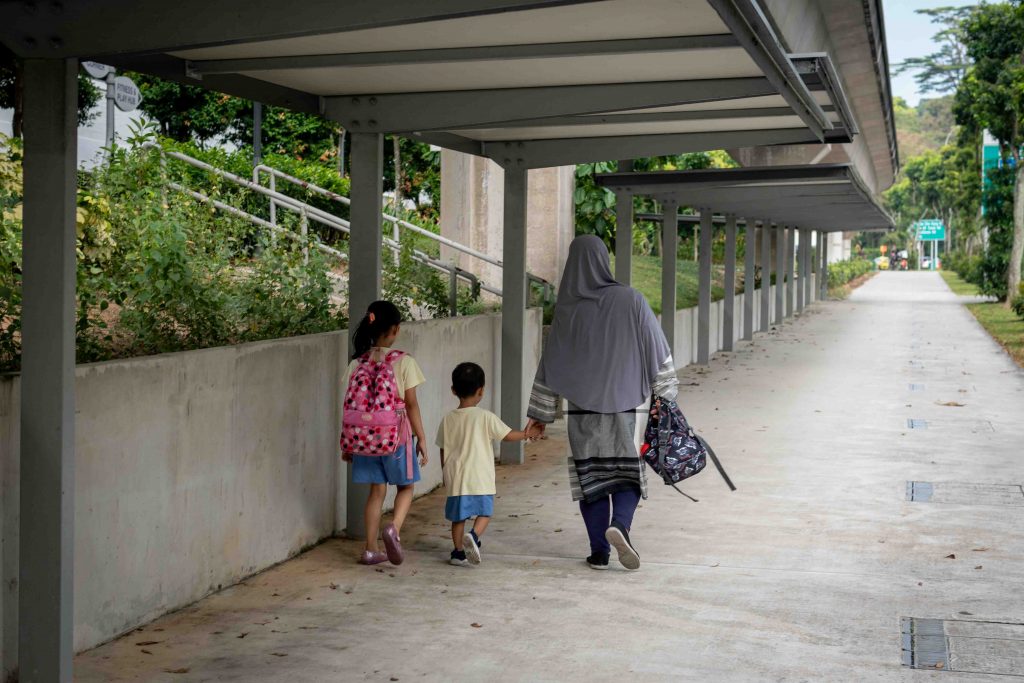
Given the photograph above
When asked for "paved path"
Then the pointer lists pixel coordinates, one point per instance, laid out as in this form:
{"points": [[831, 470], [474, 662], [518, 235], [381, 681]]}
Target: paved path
{"points": [[803, 574]]}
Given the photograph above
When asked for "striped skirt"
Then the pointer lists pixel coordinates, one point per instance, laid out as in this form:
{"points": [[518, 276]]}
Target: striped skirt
{"points": [[604, 457]]}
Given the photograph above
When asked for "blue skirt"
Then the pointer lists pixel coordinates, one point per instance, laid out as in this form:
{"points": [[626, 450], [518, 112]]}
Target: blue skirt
{"points": [[384, 469], [461, 508]]}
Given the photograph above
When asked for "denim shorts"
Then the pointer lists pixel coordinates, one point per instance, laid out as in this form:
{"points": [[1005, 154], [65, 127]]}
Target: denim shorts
{"points": [[384, 469]]}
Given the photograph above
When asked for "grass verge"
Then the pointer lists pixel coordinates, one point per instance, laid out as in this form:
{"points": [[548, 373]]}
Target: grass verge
{"points": [[959, 286], [843, 291], [647, 279], [1004, 325]]}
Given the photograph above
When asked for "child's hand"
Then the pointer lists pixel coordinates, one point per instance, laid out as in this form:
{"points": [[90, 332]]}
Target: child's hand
{"points": [[346, 457], [422, 451]]}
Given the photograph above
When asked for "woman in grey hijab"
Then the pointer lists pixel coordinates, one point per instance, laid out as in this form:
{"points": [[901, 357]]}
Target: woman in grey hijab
{"points": [[605, 354]]}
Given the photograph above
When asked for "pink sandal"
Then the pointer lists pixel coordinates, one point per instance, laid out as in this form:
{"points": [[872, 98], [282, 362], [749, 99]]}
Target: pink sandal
{"points": [[392, 544], [372, 557]]}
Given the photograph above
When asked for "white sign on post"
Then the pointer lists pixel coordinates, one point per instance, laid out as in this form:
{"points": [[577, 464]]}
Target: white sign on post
{"points": [[126, 94], [97, 70]]}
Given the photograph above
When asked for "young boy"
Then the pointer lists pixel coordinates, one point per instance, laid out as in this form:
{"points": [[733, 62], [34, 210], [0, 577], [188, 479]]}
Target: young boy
{"points": [[467, 459]]}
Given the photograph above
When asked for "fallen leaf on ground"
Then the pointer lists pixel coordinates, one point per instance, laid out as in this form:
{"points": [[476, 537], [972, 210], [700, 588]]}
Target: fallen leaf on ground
{"points": [[558, 531], [476, 625], [145, 651], [279, 654], [243, 635], [978, 550], [951, 556], [275, 595], [939, 665], [978, 567], [951, 404], [334, 586], [182, 670], [148, 642]]}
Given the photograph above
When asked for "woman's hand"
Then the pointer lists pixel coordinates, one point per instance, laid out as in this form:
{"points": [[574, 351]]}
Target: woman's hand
{"points": [[421, 450], [532, 425], [346, 457]]}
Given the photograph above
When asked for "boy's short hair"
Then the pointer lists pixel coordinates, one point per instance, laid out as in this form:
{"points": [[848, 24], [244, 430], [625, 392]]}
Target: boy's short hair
{"points": [[467, 379]]}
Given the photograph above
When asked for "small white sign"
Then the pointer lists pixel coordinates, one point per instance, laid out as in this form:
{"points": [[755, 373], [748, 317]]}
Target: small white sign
{"points": [[97, 70], [126, 94]]}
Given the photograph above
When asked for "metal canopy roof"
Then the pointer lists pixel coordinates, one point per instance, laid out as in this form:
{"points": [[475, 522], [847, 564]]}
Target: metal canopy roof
{"points": [[825, 197], [528, 83]]}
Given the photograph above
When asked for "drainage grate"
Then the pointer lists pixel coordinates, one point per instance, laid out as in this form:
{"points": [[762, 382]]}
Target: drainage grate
{"points": [[915, 423], [916, 387], [919, 491], [979, 647], [962, 493]]}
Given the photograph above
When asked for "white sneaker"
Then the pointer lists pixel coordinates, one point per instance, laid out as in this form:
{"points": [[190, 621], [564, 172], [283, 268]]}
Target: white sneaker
{"points": [[619, 538], [472, 549]]}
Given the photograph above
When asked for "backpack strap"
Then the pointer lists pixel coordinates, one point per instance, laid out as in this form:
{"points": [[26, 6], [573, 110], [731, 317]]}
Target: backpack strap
{"points": [[714, 459]]}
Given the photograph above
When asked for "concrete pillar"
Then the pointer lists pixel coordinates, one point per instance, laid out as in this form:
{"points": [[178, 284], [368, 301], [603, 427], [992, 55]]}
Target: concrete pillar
{"points": [[47, 479], [513, 309], [704, 289], [729, 304], [824, 270], [766, 233], [800, 276], [816, 290], [364, 273], [749, 252], [779, 237], [790, 248], [472, 210], [669, 249]]}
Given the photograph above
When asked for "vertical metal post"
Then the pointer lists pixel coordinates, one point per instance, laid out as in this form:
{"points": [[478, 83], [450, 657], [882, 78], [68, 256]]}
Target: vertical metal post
{"points": [[766, 275], [801, 275], [790, 248], [453, 291], [513, 309], [805, 268], [669, 251], [749, 249], [729, 304], [257, 133], [111, 108], [816, 258], [779, 238], [273, 202], [704, 289], [364, 275], [304, 231], [624, 230], [823, 273], [46, 546]]}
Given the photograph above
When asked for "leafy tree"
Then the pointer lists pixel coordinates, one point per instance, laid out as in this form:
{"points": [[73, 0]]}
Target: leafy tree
{"points": [[991, 96], [12, 89], [942, 70], [188, 113]]}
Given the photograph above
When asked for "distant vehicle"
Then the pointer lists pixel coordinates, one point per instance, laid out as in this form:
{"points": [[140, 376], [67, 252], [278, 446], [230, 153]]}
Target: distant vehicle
{"points": [[882, 263], [926, 264]]}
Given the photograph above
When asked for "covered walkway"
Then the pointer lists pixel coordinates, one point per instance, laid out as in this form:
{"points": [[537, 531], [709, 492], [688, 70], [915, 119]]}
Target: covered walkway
{"points": [[804, 573]]}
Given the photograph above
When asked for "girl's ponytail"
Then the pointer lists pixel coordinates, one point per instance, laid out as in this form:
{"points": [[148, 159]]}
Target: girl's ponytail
{"points": [[380, 317]]}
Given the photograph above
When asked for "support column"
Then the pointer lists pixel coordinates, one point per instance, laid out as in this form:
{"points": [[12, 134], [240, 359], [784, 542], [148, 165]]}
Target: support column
{"points": [[823, 273], [46, 533], [669, 249], [729, 304], [704, 289], [790, 248], [779, 237], [624, 230], [801, 275], [364, 272], [805, 269], [749, 249], [816, 265], [766, 275], [513, 309]]}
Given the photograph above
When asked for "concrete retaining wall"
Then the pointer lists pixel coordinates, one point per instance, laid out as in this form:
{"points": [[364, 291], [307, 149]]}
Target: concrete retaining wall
{"points": [[196, 469]]}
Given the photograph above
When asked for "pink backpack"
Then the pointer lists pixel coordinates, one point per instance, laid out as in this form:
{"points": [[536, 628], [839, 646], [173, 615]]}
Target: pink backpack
{"points": [[374, 420]]}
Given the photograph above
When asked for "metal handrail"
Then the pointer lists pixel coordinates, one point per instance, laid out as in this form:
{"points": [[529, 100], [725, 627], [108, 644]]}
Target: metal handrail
{"points": [[309, 212]]}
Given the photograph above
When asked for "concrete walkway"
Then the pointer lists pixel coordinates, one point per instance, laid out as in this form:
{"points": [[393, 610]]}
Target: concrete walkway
{"points": [[803, 574]]}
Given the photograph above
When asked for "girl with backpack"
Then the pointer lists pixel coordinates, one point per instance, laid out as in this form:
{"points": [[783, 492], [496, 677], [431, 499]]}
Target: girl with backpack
{"points": [[381, 415]]}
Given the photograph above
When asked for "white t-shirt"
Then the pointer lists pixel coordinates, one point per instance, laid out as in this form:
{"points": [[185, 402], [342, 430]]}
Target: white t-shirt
{"points": [[407, 371], [466, 435]]}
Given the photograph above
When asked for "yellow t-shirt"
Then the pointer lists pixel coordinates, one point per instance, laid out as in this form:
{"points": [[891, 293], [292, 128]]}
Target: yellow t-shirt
{"points": [[407, 371], [466, 435]]}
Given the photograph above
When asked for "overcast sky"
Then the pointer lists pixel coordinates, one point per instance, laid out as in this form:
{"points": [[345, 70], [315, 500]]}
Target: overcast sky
{"points": [[910, 35]]}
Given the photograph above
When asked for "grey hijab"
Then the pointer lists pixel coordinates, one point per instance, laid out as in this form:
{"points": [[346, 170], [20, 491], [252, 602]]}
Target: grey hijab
{"points": [[605, 345]]}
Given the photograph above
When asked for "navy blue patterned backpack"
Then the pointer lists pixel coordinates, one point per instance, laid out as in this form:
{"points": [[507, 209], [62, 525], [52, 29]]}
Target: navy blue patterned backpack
{"points": [[672, 449]]}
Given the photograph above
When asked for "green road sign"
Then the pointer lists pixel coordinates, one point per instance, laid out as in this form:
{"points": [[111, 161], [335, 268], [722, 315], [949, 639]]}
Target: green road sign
{"points": [[930, 229]]}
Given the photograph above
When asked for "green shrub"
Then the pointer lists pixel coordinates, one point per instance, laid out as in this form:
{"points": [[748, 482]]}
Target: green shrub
{"points": [[841, 272], [1018, 301]]}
